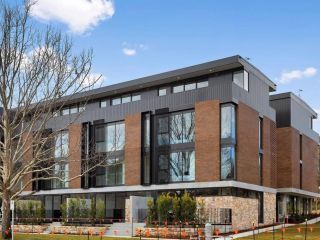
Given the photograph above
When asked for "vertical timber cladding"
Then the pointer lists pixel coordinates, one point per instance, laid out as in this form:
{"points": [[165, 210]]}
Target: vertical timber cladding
{"points": [[309, 164], [247, 145], [288, 158], [207, 141], [75, 137], [27, 139], [132, 151]]}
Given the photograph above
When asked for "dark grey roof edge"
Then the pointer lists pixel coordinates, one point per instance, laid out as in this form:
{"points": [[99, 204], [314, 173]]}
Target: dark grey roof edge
{"points": [[293, 96], [261, 75], [222, 64]]}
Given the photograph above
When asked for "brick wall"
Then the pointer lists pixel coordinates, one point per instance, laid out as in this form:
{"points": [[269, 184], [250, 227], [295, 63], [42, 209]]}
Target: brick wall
{"points": [[207, 141], [75, 136], [26, 158], [132, 153], [273, 157], [310, 164], [288, 158], [266, 141], [247, 145]]}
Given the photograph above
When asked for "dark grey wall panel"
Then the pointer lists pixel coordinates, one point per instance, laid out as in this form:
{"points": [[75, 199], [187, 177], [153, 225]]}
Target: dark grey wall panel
{"points": [[220, 87], [283, 111]]}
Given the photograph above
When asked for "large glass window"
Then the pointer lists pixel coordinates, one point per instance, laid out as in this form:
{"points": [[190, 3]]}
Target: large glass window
{"points": [[241, 78], [112, 174], [182, 166], [175, 129], [110, 137], [228, 141]]}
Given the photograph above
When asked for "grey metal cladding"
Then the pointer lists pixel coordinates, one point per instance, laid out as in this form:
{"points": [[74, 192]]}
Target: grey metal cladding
{"points": [[257, 97], [224, 64], [292, 111], [220, 87]]}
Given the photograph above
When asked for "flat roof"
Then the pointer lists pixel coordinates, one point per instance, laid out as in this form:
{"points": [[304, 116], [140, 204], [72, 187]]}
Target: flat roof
{"points": [[296, 98], [198, 70]]}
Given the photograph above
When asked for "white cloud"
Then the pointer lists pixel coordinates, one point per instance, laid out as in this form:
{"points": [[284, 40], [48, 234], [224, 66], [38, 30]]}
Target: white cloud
{"points": [[287, 77], [129, 51], [132, 49], [79, 15]]}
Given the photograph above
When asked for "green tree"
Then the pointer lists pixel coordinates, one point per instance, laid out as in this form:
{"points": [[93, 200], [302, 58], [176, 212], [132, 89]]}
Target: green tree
{"points": [[188, 207], [100, 209], [164, 205], [152, 211], [176, 202]]}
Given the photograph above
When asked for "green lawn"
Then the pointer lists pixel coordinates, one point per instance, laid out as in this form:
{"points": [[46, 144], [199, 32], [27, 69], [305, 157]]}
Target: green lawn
{"points": [[290, 234], [59, 237]]}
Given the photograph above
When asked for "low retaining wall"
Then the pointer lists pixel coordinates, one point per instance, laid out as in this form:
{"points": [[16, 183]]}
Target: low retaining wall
{"points": [[78, 230]]}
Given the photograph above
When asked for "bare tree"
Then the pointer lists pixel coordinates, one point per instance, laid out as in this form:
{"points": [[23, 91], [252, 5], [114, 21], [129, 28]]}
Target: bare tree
{"points": [[39, 73]]}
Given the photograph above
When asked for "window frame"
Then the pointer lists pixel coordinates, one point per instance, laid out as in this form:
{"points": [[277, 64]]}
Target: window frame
{"points": [[227, 142], [245, 82]]}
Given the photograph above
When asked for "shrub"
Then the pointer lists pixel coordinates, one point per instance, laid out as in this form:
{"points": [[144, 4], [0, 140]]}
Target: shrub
{"points": [[176, 204], [188, 207], [100, 209], [164, 206], [152, 210]]}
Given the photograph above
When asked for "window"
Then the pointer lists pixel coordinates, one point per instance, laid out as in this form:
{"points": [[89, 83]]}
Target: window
{"points": [[110, 137], [112, 174], [260, 133], [126, 98], [65, 111], [175, 148], [261, 168], [177, 89], [136, 97], [61, 144], [162, 92], [115, 101], [228, 141], [182, 166], [146, 151], [175, 129], [228, 126], [103, 103], [311, 123], [73, 109], [203, 84], [227, 162], [61, 152], [241, 78], [190, 86]]}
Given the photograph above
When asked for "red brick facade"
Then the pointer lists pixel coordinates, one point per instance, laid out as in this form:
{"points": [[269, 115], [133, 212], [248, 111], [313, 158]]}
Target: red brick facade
{"points": [[132, 153], [27, 158], [247, 145], [207, 141], [75, 135]]}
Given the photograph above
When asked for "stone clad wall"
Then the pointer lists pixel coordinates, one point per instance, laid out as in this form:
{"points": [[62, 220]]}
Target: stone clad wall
{"points": [[269, 207], [244, 210]]}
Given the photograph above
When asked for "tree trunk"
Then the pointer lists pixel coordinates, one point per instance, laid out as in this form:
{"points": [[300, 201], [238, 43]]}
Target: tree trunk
{"points": [[6, 228]]}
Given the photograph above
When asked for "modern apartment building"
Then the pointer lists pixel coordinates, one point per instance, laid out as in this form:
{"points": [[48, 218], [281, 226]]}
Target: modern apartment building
{"points": [[212, 129]]}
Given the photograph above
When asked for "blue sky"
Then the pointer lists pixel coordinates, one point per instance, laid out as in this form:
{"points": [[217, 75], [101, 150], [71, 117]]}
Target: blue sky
{"points": [[137, 38]]}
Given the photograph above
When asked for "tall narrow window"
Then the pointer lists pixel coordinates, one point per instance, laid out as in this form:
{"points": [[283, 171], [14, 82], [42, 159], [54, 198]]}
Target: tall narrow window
{"points": [[146, 161], [61, 167], [260, 133], [261, 168], [109, 142], [228, 141]]}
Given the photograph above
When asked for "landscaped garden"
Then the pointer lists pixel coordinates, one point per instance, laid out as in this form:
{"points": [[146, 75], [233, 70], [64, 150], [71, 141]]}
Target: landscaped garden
{"points": [[61, 237], [291, 233]]}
